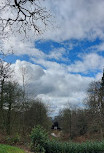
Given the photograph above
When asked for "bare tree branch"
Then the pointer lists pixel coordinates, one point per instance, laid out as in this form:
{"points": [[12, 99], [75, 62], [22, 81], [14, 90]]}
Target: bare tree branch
{"points": [[23, 16]]}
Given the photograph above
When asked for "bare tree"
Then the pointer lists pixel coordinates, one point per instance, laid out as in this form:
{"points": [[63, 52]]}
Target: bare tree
{"points": [[66, 121], [23, 16], [37, 115], [5, 75], [95, 103], [73, 121], [12, 99]]}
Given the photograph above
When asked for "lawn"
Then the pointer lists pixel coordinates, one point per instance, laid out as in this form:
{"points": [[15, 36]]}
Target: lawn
{"points": [[10, 149]]}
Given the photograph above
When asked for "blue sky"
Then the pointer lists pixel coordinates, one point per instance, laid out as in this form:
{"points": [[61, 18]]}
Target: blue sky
{"points": [[71, 54], [61, 62]]}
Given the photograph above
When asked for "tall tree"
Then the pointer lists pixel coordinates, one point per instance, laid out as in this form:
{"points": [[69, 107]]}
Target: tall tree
{"points": [[37, 115], [5, 75], [95, 103], [73, 121], [66, 121], [24, 102], [12, 99]]}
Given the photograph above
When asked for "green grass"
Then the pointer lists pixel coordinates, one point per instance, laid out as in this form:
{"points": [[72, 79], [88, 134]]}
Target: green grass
{"points": [[10, 149]]}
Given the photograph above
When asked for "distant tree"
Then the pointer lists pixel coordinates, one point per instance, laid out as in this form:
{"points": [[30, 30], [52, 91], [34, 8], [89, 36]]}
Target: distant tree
{"points": [[73, 121], [95, 103], [37, 115], [5, 75], [81, 121], [12, 100], [66, 121], [24, 98]]}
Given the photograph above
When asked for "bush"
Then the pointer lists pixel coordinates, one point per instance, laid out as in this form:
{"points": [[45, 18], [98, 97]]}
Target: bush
{"points": [[65, 147], [39, 138], [13, 139], [42, 144]]}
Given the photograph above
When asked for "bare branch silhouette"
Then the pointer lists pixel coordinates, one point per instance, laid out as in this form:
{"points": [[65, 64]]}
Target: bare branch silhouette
{"points": [[23, 16]]}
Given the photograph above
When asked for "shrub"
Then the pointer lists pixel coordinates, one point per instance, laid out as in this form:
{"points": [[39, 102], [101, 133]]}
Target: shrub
{"points": [[42, 144], [39, 139], [65, 147], [13, 139]]}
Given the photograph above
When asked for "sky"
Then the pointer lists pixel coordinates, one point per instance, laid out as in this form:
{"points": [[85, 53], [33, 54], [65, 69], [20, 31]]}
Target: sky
{"points": [[60, 63]]}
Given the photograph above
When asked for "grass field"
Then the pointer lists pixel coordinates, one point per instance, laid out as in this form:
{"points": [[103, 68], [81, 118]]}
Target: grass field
{"points": [[10, 149]]}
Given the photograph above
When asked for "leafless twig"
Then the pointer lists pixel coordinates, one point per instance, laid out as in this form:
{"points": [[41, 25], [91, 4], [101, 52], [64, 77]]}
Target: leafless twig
{"points": [[24, 15]]}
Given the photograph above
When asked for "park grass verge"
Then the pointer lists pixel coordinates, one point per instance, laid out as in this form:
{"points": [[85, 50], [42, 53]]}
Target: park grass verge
{"points": [[10, 149]]}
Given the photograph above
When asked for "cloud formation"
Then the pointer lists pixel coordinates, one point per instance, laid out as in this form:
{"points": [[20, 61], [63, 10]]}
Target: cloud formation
{"points": [[50, 76], [77, 19], [89, 62], [56, 87], [73, 19]]}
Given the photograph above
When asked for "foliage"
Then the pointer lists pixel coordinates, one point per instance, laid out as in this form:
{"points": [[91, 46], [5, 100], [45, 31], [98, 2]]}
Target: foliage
{"points": [[13, 139], [39, 137], [12, 96], [10, 149], [36, 115], [95, 104], [18, 113], [41, 143], [88, 147]]}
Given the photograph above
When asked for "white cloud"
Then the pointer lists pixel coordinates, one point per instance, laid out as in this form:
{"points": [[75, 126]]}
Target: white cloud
{"points": [[89, 62], [77, 19], [98, 48], [55, 87], [18, 47], [98, 76], [30, 71], [101, 47], [57, 54]]}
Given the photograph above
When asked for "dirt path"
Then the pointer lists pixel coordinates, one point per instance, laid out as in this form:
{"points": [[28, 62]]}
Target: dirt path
{"points": [[28, 151]]}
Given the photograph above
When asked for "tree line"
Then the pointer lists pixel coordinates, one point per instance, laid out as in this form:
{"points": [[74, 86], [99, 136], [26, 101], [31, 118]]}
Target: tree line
{"points": [[87, 121], [18, 113]]}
